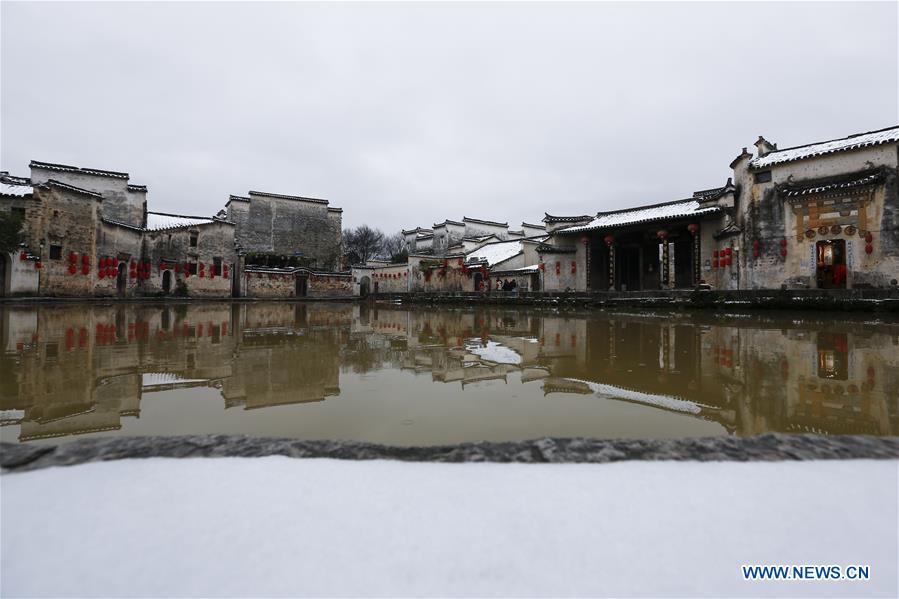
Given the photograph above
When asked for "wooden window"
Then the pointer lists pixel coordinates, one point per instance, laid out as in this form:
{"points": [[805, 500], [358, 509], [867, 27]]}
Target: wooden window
{"points": [[55, 252], [763, 177], [193, 239]]}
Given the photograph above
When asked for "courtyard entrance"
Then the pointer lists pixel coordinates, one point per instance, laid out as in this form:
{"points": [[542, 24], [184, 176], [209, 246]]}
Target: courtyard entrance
{"points": [[831, 264]]}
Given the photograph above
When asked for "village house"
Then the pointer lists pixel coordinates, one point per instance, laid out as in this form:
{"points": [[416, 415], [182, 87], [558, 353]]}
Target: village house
{"points": [[88, 233], [291, 246], [818, 216]]}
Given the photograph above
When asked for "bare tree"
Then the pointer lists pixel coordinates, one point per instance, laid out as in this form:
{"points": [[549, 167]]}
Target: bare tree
{"points": [[362, 243], [394, 247]]}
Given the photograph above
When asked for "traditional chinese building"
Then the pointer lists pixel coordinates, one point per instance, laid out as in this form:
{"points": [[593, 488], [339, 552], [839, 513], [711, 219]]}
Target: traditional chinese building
{"points": [[819, 216], [87, 233]]}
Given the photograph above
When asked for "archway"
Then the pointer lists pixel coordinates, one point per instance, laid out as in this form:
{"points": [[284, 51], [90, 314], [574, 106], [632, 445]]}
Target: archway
{"points": [[364, 286], [167, 282]]}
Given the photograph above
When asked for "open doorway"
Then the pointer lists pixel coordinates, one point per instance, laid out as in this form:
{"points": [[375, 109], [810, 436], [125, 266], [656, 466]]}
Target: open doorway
{"points": [[5, 274], [121, 280], [364, 286], [167, 282], [302, 282], [831, 264]]}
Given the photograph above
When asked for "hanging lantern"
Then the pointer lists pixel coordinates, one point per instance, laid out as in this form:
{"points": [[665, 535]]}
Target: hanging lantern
{"points": [[728, 251], [573, 267], [715, 254], [662, 234], [783, 242], [715, 263], [869, 237], [38, 265], [783, 252], [23, 255], [85, 269], [585, 240], [85, 259], [543, 266], [609, 239], [133, 265], [178, 269], [73, 257], [72, 269], [869, 248], [693, 228]]}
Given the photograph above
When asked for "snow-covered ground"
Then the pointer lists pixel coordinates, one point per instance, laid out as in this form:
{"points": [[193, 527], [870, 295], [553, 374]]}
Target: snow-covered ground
{"points": [[278, 526]]}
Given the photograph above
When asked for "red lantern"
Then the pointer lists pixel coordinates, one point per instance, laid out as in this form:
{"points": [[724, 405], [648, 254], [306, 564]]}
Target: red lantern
{"points": [[783, 252], [73, 257], [133, 265], [38, 265], [72, 269], [585, 240], [543, 266], [728, 251], [132, 274], [715, 263], [693, 228], [728, 261], [609, 239], [869, 248], [783, 242], [869, 237], [662, 234], [101, 273], [23, 255], [85, 269], [85, 259], [177, 269], [755, 243], [715, 254], [755, 252]]}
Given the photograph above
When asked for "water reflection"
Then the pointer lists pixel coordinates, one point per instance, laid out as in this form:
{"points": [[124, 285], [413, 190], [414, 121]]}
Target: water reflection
{"points": [[422, 376]]}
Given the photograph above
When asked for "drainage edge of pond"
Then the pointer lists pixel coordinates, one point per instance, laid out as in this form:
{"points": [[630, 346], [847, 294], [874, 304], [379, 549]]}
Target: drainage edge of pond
{"points": [[15, 457]]}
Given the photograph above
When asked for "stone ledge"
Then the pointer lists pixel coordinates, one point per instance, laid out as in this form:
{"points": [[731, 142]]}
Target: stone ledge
{"points": [[15, 457]]}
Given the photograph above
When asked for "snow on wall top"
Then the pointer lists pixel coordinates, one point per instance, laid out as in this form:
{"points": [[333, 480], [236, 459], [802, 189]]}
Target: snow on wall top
{"points": [[14, 186], [157, 221], [619, 218], [853, 142], [494, 253]]}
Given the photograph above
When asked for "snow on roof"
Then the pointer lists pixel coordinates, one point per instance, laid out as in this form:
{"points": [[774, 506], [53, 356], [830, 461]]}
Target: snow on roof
{"points": [[11, 185], [494, 352], [77, 169], [619, 218], [853, 142], [494, 253], [157, 221]]}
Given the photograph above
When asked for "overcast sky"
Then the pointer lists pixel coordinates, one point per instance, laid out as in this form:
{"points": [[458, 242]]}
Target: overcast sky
{"points": [[407, 114]]}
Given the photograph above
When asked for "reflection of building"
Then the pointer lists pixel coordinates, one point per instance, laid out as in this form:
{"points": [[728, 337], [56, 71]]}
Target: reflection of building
{"points": [[68, 370]]}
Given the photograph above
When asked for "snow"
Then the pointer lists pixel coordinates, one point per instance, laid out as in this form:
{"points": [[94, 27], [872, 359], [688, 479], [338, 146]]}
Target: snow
{"points": [[279, 526], [828, 147], [662, 401], [15, 190], [494, 253], [494, 352], [149, 379], [686, 208], [157, 221]]}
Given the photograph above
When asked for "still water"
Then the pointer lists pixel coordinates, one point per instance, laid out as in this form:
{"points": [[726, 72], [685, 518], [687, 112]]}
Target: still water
{"points": [[405, 376]]}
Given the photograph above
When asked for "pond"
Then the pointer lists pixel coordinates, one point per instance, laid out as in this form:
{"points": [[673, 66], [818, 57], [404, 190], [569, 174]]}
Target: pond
{"points": [[414, 376]]}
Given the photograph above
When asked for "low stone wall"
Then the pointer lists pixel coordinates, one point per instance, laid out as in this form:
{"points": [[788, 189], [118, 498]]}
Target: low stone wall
{"points": [[880, 300], [770, 447], [261, 284]]}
